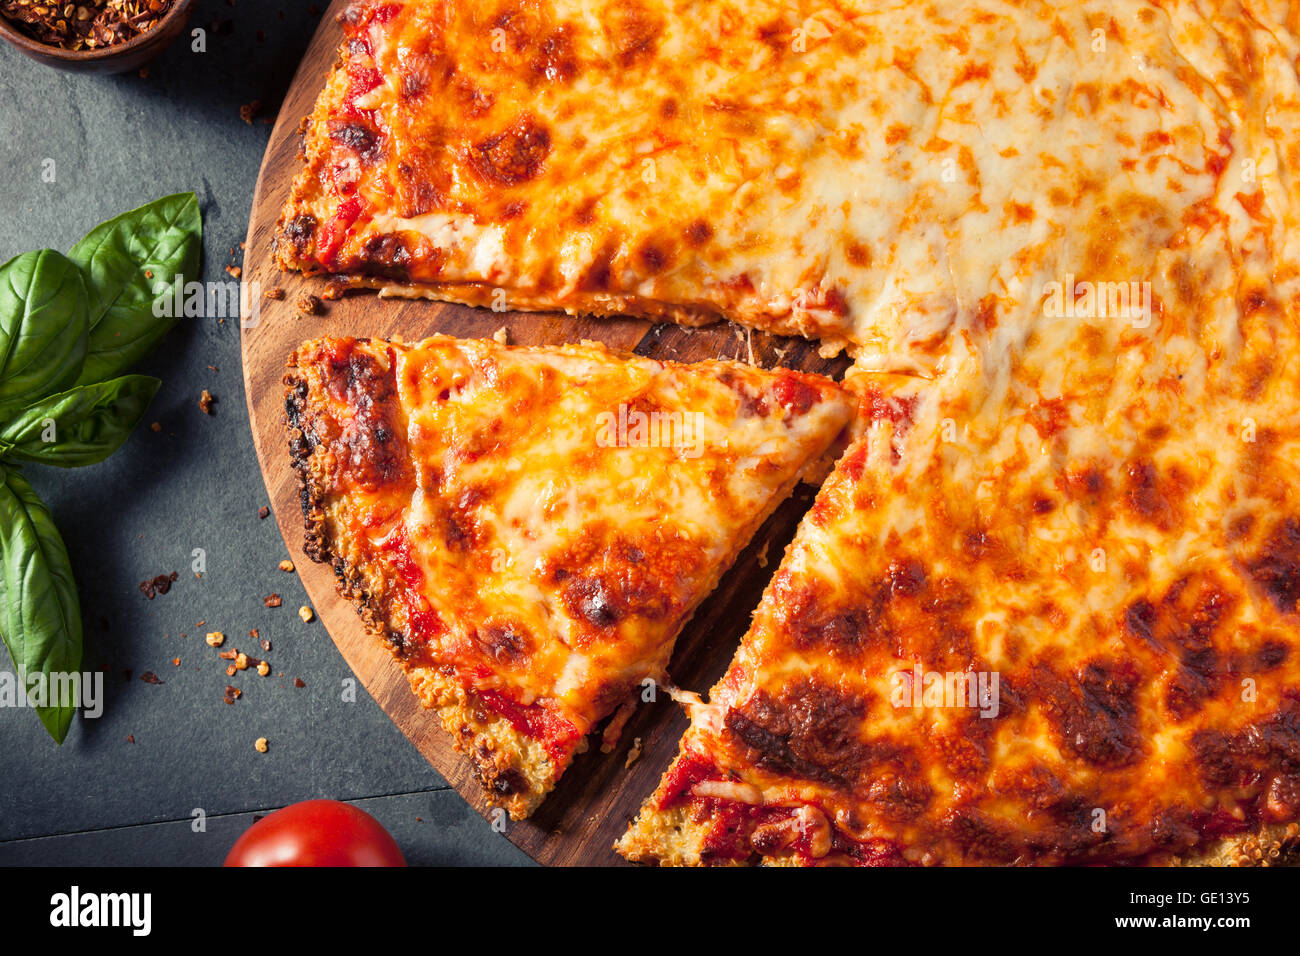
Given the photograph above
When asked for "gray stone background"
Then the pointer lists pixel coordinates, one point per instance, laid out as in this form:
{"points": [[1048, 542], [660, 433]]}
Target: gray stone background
{"points": [[100, 799]]}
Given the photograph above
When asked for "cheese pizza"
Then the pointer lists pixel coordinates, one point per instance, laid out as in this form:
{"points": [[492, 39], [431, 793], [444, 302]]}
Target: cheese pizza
{"points": [[876, 175], [529, 529], [1045, 609], [1058, 630]]}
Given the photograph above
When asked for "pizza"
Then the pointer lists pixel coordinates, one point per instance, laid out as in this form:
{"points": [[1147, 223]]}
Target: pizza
{"points": [[529, 528], [1011, 632], [877, 176], [1045, 608]]}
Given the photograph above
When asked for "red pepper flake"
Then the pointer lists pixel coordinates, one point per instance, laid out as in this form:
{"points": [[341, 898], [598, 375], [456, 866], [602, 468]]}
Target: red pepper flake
{"points": [[130, 738], [149, 677], [232, 694], [159, 585], [206, 401], [298, 682], [88, 24], [272, 600], [263, 512]]}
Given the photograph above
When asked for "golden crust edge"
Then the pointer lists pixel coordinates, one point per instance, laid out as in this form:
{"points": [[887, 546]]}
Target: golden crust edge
{"points": [[672, 838], [500, 754]]}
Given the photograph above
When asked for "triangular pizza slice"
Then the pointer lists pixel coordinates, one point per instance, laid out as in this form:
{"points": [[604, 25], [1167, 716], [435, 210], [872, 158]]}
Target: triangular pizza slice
{"points": [[530, 528]]}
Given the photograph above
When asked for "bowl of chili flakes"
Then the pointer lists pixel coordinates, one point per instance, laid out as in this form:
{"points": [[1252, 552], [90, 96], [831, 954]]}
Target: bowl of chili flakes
{"points": [[94, 36]]}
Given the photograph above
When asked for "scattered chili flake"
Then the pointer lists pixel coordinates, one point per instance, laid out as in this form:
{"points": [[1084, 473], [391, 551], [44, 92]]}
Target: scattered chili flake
{"points": [[158, 585], [228, 655], [130, 738], [176, 662], [272, 600], [305, 613], [215, 638], [263, 512], [286, 566], [87, 24], [234, 271], [263, 668], [298, 682], [206, 401], [230, 671], [149, 677], [249, 111], [265, 644], [156, 427], [232, 694]]}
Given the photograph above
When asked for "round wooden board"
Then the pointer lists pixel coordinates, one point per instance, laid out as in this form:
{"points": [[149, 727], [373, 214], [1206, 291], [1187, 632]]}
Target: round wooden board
{"points": [[597, 798]]}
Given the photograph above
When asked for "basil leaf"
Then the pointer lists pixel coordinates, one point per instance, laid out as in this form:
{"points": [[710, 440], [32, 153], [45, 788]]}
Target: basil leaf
{"points": [[125, 259], [40, 614], [81, 426], [43, 329]]}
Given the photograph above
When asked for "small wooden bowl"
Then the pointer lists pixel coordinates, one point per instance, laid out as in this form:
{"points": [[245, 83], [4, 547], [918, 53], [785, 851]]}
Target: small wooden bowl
{"points": [[120, 58]]}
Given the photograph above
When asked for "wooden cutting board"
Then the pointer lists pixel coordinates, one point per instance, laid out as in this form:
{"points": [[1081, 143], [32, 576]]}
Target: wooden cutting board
{"points": [[597, 798]]}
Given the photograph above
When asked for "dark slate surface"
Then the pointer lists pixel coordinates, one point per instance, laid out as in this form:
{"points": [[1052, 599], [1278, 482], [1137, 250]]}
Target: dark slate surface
{"points": [[117, 142]]}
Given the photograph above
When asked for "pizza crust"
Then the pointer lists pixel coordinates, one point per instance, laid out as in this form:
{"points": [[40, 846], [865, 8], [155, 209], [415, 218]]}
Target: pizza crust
{"points": [[676, 837], [515, 771]]}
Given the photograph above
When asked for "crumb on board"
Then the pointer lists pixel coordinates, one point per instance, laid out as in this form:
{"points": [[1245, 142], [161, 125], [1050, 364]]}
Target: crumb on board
{"points": [[286, 566], [633, 753], [262, 745], [206, 401]]}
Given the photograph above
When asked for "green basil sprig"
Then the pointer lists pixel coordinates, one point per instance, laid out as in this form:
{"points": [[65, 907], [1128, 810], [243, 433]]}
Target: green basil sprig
{"points": [[43, 327], [125, 259], [81, 426], [42, 623], [69, 327]]}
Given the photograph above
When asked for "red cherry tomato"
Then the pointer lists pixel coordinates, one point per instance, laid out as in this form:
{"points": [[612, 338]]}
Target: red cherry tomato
{"points": [[316, 833]]}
